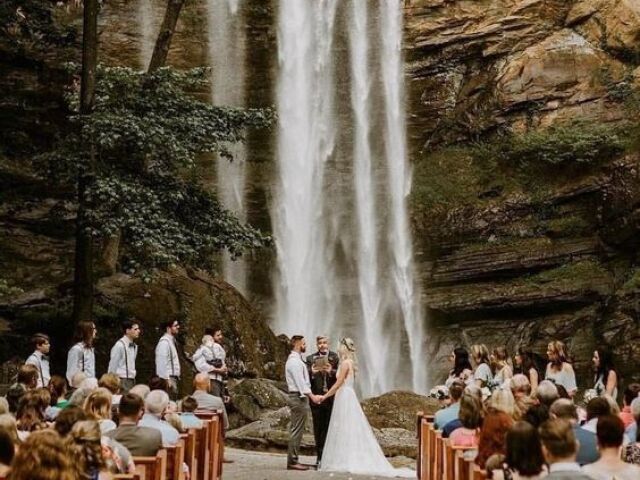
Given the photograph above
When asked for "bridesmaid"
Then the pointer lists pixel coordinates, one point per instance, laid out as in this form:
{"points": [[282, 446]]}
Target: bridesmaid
{"points": [[559, 369]]}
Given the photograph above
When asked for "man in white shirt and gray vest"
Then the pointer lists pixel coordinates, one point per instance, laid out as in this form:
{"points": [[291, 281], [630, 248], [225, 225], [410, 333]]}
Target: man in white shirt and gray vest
{"points": [[40, 358], [167, 360], [300, 393], [122, 361]]}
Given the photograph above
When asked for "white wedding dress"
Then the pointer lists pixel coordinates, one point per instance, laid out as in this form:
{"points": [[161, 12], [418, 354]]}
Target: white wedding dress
{"points": [[351, 445]]}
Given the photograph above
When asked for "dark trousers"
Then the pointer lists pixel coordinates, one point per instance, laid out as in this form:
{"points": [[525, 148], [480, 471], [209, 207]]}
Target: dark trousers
{"points": [[126, 384], [217, 388], [321, 417]]}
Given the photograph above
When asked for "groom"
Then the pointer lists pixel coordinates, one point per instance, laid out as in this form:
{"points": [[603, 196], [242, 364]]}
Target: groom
{"points": [[322, 367]]}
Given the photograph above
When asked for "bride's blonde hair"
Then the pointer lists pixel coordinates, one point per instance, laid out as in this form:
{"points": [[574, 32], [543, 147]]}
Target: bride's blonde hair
{"points": [[347, 350]]}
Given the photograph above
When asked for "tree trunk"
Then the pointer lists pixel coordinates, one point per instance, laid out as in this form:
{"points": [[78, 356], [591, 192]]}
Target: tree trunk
{"points": [[168, 28], [83, 274]]}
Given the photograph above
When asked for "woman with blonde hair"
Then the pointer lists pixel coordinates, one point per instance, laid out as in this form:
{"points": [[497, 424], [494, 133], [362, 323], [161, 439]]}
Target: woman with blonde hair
{"points": [[501, 367], [97, 406], [43, 456], [85, 447], [482, 375], [351, 445], [559, 369], [8, 424]]}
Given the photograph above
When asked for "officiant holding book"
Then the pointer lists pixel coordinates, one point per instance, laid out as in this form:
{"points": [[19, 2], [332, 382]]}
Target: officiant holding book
{"points": [[322, 366]]}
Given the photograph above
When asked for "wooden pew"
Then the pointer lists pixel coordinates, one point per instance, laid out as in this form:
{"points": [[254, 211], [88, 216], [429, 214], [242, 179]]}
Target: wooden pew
{"points": [[126, 476], [424, 426], [453, 461], [476, 473], [217, 447], [189, 439], [461, 467], [175, 459], [438, 451], [431, 452], [152, 468], [202, 452]]}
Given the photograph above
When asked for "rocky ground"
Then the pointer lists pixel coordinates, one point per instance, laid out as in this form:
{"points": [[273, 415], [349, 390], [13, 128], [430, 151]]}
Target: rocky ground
{"points": [[249, 465]]}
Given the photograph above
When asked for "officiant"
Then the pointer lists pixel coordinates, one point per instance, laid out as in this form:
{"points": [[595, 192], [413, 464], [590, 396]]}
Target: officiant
{"points": [[322, 366]]}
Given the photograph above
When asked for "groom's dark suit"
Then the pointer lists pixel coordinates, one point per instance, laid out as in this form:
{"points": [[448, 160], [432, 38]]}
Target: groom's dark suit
{"points": [[321, 382]]}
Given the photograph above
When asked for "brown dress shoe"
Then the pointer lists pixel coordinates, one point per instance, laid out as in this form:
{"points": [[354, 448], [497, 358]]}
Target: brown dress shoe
{"points": [[297, 466]]}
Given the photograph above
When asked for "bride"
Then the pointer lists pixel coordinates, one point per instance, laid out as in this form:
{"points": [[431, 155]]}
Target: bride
{"points": [[351, 445]]}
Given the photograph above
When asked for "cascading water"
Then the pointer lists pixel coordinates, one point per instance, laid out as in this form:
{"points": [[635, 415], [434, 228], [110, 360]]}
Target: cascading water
{"points": [[399, 186], [305, 291], [227, 57], [371, 292]]}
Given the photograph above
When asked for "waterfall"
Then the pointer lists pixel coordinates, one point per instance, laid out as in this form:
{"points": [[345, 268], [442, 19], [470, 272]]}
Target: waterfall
{"points": [[305, 290], [399, 173], [227, 57], [371, 293]]}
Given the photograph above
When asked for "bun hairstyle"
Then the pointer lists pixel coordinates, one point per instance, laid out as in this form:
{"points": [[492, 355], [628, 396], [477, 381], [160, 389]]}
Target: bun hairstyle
{"points": [[347, 350]]}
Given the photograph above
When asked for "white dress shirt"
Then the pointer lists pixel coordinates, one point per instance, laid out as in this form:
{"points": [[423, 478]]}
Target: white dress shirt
{"points": [[206, 354], [297, 375], [41, 362], [122, 360], [167, 361], [81, 359]]}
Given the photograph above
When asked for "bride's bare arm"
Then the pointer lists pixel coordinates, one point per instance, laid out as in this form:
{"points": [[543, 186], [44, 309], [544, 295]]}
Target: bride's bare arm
{"points": [[342, 375]]}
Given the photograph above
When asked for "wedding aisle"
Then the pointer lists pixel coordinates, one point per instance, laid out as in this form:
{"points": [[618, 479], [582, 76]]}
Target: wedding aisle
{"points": [[250, 465]]}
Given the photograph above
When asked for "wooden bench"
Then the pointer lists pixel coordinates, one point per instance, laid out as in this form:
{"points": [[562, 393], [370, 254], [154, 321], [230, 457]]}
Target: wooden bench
{"points": [[152, 468], [424, 459], [189, 439], [126, 476], [202, 452], [215, 443], [175, 460]]}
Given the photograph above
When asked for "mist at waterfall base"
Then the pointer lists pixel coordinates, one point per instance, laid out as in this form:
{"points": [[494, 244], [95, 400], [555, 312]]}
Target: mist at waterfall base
{"points": [[345, 259]]}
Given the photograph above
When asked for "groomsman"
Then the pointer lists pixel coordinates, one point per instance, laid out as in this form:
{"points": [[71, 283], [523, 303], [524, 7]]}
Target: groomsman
{"points": [[40, 358], [300, 393], [322, 366], [82, 357], [167, 361], [122, 361], [210, 361]]}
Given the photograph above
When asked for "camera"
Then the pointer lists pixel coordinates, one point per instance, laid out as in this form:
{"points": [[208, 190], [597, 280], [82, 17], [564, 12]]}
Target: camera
{"points": [[215, 363]]}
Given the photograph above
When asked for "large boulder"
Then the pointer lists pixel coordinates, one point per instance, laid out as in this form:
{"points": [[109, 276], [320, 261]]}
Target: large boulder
{"points": [[253, 398], [397, 409]]}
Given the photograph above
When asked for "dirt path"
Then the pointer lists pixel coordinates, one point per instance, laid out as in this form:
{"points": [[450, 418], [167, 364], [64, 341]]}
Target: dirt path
{"points": [[250, 465]]}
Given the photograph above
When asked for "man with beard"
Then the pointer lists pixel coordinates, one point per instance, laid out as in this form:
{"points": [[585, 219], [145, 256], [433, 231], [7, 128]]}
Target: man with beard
{"points": [[322, 366], [300, 393]]}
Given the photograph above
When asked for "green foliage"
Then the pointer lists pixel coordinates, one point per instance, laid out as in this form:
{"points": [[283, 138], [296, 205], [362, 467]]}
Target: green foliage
{"points": [[570, 273], [30, 23], [561, 145], [633, 283], [7, 290], [146, 132]]}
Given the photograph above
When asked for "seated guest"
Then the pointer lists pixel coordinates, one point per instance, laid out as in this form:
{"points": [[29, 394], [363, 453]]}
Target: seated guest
{"points": [[547, 393], [536, 415], [524, 364], [9, 425], [85, 448], [472, 390], [596, 408], [205, 400], [559, 448], [77, 380], [495, 425], [444, 416], [58, 389], [470, 417], [67, 418], [111, 382], [156, 405], [524, 459], [141, 390], [30, 414], [141, 441], [98, 408], [565, 409], [43, 455], [27, 380], [631, 452], [187, 407], [7, 451], [4, 406], [157, 383], [610, 432], [630, 394]]}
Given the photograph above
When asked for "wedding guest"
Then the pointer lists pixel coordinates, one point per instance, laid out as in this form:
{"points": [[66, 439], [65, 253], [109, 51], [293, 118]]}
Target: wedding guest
{"points": [[77, 380], [58, 390], [30, 414], [501, 367], [559, 369], [40, 358], [482, 375], [462, 370], [521, 390], [167, 360], [524, 457], [610, 433], [43, 455], [605, 378], [67, 419], [565, 409], [596, 408], [525, 365], [205, 400], [139, 440], [111, 382], [470, 417], [8, 424], [141, 390], [187, 408], [547, 393], [446, 415], [559, 448], [81, 357], [122, 359], [27, 380], [7, 451], [98, 408], [495, 424], [631, 432], [86, 450], [156, 405], [629, 395], [631, 451]]}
